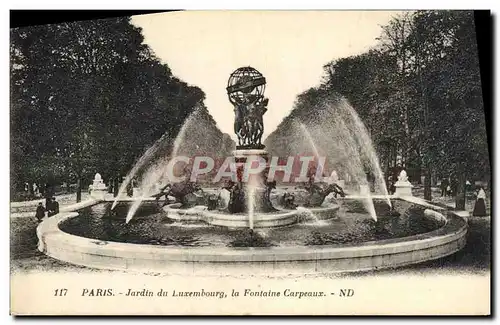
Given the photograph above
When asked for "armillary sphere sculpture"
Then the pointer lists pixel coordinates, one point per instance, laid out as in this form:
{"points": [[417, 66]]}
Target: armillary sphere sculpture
{"points": [[245, 90]]}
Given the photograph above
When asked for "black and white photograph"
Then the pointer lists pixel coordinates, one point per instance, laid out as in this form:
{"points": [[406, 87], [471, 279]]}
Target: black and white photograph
{"points": [[329, 162]]}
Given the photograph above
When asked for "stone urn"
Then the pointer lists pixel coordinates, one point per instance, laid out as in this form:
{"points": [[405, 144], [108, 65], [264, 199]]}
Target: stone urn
{"points": [[98, 189]]}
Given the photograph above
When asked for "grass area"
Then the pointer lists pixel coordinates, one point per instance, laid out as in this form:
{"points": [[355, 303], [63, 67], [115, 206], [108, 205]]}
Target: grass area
{"points": [[474, 257], [24, 254], [63, 199]]}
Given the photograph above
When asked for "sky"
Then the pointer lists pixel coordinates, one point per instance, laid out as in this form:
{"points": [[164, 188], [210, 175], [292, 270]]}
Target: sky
{"points": [[289, 48]]}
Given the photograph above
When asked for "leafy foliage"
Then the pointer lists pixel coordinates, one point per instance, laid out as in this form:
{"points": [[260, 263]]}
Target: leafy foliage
{"points": [[89, 97], [418, 92]]}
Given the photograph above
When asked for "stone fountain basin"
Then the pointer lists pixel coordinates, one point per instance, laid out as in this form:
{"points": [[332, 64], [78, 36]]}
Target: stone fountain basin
{"points": [[278, 218], [446, 240]]}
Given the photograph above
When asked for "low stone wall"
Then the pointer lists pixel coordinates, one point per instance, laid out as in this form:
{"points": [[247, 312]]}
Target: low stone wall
{"points": [[275, 260], [28, 208], [22, 204], [25, 207]]}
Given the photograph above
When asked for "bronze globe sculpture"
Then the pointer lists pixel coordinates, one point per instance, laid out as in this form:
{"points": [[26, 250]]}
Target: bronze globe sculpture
{"points": [[245, 90]]}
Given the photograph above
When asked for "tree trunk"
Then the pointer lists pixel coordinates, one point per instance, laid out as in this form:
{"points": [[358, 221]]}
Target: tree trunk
{"points": [[79, 189], [30, 190], [460, 192], [427, 184], [116, 186]]}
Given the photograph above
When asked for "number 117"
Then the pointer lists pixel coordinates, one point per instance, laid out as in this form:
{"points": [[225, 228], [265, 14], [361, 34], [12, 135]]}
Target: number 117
{"points": [[61, 292]]}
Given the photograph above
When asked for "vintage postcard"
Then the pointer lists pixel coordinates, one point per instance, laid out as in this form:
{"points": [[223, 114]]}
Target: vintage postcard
{"points": [[250, 163]]}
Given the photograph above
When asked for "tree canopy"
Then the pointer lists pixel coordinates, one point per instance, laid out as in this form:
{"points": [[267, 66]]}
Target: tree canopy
{"points": [[89, 97], [419, 94]]}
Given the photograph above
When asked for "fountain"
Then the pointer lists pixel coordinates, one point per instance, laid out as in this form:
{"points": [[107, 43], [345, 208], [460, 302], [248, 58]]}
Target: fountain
{"points": [[249, 204], [256, 222]]}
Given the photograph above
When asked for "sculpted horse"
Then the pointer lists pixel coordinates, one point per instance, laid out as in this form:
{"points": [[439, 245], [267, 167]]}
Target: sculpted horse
{"points": [[317, 194], [183, 192]]}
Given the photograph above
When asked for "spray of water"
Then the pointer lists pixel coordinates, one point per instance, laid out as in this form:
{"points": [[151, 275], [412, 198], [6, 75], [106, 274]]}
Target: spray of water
{"points": [[157, 173], [368, 149], [311, 217], [354, 167], [250, 203], [141, 163], [336, 130], [225, 197], [198, 136], [364, 191], [310, 139]]}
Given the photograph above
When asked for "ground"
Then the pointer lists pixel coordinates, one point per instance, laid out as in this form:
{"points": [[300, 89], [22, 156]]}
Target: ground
{"points": [[450, 201], [474, 258]]}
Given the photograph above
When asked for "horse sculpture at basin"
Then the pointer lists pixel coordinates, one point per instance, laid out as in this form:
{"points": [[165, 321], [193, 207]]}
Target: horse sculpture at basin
{"points": [[184, 193]]}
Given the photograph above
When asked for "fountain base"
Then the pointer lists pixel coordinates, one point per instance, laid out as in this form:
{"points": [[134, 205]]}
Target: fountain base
{"points": [[251, 192], [449, 238]]}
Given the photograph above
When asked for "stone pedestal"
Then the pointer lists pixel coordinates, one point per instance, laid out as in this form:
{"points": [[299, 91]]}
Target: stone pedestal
{"points": [[98, 189], [251, 184], [364, 190], [403, 186], [403, 189]]}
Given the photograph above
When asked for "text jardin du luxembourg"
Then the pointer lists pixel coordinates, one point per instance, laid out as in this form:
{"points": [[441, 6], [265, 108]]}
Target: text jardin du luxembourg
{"points": [[224, 294]]}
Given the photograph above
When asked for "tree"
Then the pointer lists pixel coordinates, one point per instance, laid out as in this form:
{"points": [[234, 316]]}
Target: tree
{"points": [[419, 94], [89, 97]]}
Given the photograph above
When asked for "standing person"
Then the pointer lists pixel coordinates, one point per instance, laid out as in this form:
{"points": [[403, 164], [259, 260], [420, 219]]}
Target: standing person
{"points": [[454, 186], [468, 186], [130, 189], [389, 184], [116, 185], [444, 187], [49, 192], [55, 206], [48, 206], [40, 212], [480, 206]]}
